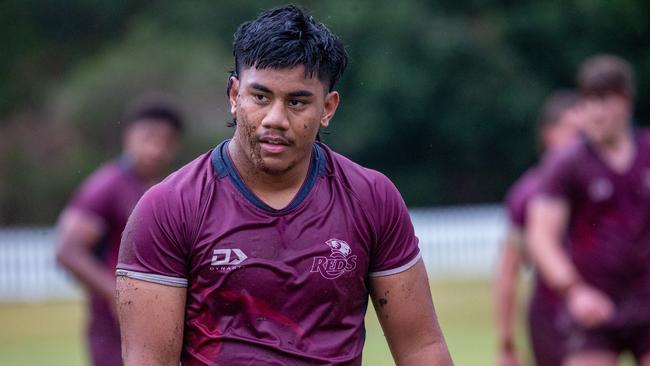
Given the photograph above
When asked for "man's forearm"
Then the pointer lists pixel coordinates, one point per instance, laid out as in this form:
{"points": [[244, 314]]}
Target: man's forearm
{"points": [[548, 225], [435, 354], [555, 266], [88, 270], [506, 293]]}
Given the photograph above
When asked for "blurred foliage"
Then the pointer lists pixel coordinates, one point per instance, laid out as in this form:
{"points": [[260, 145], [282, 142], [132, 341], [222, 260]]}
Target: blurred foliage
{"points": [[439, 95]]}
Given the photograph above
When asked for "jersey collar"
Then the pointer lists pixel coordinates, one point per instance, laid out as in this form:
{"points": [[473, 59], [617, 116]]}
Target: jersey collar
{"points": [[223, 167]]}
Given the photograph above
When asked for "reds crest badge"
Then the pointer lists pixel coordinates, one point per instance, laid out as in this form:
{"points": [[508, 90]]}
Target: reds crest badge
{"points": [[339, 261]]}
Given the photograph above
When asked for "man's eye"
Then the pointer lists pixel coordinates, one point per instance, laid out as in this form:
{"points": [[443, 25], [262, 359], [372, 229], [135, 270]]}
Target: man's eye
{"points": [[260, 98], [296, 103]]}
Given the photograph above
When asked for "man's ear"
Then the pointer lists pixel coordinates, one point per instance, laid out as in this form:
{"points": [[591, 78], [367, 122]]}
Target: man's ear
{"points": [[331, 103], [233, 92]]}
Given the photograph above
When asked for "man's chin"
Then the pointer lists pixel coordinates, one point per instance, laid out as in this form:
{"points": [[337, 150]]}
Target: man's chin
{"points": [[274, 167], [274, 170], [147, 171]]}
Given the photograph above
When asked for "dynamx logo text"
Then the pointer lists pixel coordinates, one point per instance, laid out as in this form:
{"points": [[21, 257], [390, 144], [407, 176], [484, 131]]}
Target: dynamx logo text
{"points": [[339, 261], [227, 259]]}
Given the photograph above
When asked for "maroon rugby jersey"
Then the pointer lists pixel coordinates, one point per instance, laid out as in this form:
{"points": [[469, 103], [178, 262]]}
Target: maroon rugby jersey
{"points": [[109, 194], [517, 199], [545, 324], [609, 229], [519, 195], [266, 286]]}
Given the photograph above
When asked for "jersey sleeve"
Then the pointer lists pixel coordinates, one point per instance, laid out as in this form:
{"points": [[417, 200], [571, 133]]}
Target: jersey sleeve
{"points": [[557, 177], [95, 196], [154, 242], [396, 249], [515, 208]]}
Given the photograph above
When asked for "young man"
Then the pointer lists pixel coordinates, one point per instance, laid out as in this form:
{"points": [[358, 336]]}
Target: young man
{"points": [[90, 227], [264, 250], [597, 196], [557, 128]]}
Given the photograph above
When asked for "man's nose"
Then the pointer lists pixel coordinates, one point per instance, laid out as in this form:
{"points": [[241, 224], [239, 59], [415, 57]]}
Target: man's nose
{"points": [[276, 117]]}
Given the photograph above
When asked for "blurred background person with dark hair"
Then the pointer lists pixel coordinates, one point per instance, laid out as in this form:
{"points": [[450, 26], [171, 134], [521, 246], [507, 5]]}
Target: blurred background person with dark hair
{"points": [[557, 128], [90, 227], [589, 229]]}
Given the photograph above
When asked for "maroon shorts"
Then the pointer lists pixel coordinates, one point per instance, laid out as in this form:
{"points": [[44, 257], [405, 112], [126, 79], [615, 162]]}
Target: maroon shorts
{"points": [[546, 336], [635, 339], [104, 342]]}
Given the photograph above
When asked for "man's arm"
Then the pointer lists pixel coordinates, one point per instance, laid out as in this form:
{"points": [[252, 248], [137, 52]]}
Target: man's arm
{"points": [[151, 322], [506, 294], [78, 232], [549, 219], [405, 310]]}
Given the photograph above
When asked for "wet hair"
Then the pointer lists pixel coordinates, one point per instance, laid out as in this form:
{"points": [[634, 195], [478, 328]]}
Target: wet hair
{"points": [[286, 37], [555, 105], [156, 112], [604, 74]]}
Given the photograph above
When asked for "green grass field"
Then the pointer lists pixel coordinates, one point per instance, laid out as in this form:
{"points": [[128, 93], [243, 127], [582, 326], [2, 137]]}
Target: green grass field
{"points": [[51, 334]]}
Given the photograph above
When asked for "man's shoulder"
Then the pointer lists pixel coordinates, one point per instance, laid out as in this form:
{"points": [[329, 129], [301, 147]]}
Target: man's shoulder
{"points": [[567, 159], [525, 181], [107, 177], [186, 183], [524, 186], [644, 137]]}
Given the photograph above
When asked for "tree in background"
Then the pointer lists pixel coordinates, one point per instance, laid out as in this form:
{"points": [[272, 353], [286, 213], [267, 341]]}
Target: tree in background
{"points": [[448, 89]]}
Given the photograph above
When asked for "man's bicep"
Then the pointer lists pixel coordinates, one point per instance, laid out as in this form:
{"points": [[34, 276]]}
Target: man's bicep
{"points": [[405, 310], [151, 319], [402, 298], [549, 216]]}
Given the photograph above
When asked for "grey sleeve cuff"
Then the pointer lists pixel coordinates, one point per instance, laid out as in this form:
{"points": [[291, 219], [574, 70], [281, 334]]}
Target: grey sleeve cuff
{"points": [[399, 269], [155, 278]]}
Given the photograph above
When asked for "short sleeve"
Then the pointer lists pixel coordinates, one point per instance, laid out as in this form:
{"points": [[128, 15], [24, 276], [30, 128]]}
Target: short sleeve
{"points": [[556, 177], [515, 208], [95, 196], [154, 244], [396, 249], [518, 197]]}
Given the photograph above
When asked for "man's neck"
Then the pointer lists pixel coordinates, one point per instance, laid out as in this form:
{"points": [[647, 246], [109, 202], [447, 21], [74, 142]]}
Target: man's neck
{"points": [[277, 191], [619, 152], [147, 178]]}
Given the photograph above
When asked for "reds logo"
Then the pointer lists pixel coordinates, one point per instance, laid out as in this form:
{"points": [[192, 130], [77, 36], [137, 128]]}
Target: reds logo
{"points": [[339, 261], [600, 189]]}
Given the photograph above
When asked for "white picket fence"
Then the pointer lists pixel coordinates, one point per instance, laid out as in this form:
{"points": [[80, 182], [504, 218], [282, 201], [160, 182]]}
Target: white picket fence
{"points": [[457, 242]]}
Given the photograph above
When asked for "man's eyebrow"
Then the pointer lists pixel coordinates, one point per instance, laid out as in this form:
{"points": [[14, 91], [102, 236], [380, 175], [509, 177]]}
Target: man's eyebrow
{"points": [[261, 87], [301, 93], [294, 94]]}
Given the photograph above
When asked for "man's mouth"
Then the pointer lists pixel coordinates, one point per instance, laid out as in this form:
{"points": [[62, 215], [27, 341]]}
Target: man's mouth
{"points": [[273, 144], [274, 140]]}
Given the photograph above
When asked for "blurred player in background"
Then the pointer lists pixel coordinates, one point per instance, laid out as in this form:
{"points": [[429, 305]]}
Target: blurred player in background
{"points": [[264, 250], [557, 128], [595, 198], [90, 227]]}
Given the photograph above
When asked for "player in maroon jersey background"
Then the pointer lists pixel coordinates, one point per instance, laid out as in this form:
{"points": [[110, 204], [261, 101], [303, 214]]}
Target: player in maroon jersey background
{"points": [[558, 127], [90, 227], [590, 225]]}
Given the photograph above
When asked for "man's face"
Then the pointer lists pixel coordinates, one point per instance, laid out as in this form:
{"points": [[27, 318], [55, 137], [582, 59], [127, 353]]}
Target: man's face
{"points": [[606, 117], [279, 113], [151, 146], [566, 130]]}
